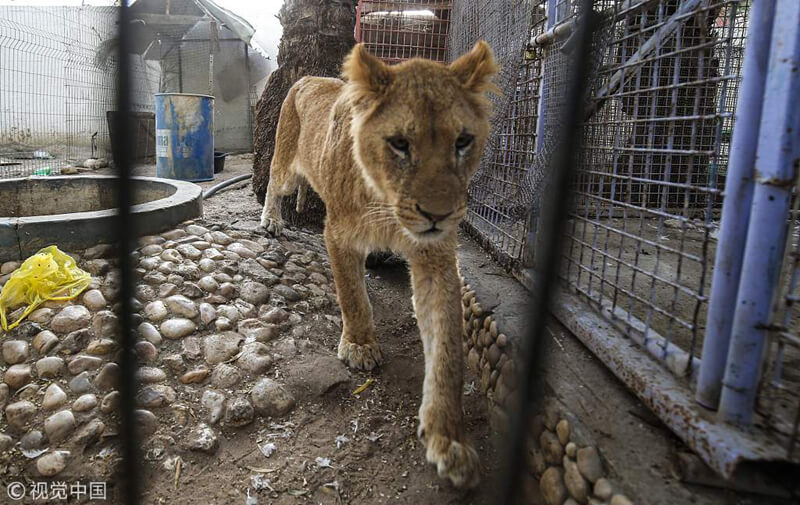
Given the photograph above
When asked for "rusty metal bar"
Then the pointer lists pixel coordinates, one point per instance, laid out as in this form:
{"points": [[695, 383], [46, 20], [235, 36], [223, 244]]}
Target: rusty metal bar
{"points": [[723, 447]]}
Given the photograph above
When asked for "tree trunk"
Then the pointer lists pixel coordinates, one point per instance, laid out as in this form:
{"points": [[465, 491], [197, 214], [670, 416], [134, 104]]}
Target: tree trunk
{"points": [[317, 35]]}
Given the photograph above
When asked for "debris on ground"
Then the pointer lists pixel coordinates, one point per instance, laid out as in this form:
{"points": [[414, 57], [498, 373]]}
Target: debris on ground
{"points": [[323, 462], [363, 387], [267, 449]]}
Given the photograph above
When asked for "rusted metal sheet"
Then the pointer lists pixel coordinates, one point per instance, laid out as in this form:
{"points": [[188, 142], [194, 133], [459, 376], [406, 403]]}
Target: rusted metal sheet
{"points": [[723, 447]]}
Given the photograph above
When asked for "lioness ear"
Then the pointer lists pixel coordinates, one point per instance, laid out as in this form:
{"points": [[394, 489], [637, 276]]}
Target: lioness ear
{"points": [[476, 68], [366, 71]]}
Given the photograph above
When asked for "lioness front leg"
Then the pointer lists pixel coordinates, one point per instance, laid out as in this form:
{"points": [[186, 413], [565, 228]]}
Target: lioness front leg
{"points": [[437, 303], [271, 215], [358, 347]]}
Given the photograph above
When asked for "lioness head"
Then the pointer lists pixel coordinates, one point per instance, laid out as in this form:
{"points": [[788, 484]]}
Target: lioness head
{"points": [[419, 128]]}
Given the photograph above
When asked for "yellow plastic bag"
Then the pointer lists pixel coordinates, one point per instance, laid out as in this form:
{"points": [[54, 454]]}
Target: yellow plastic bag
{"points": [[47, 275]]}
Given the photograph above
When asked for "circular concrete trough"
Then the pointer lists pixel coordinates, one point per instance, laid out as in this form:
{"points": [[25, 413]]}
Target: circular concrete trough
{"points": [[78, 212]]}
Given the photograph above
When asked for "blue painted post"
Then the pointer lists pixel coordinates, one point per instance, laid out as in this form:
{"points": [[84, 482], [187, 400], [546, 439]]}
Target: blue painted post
{"points": [[540, 143], [736, 210], [777, 159], [544, 85]]}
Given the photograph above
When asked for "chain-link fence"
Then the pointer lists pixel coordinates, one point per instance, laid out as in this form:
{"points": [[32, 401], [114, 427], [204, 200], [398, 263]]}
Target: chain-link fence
{"points": [[57, 72]]}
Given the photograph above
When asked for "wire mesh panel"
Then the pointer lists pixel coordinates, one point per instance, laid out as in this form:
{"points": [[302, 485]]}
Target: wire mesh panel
{"points": [[641, 237], [33, 97], [89, 81], [659, 114], [57, 83], [496, 216], [398, 30]]}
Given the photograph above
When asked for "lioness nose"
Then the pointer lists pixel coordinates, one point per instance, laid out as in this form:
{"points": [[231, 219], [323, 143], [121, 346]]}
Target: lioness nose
{"points": [[433, 217]]}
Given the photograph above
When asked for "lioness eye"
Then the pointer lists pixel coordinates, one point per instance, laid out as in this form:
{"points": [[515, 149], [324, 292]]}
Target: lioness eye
{"points": [[463, 141], [398, 144]]}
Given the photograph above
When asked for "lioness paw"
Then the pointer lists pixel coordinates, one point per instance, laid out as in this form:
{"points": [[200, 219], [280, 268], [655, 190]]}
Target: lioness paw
{"points": [[454, 460], [360, 357], [272, 225]]}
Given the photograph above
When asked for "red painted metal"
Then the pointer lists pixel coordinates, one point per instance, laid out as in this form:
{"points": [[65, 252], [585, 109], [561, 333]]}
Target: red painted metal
{"points": [[399, 30]]}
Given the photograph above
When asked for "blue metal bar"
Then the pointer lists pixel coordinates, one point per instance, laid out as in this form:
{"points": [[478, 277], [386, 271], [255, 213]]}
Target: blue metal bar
{"points": [[738, 199], [544, 83], [777, 159]]}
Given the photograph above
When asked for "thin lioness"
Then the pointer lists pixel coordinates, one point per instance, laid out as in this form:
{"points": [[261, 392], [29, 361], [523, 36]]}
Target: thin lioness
{"points": [[391, 152]]}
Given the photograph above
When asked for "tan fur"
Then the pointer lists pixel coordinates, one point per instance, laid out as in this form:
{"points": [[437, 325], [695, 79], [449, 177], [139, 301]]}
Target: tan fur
{"points": [[341, 139]]}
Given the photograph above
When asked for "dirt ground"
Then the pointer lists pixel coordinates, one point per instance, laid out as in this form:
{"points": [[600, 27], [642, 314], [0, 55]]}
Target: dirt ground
{"points": [[337, 447], [382, 461]]}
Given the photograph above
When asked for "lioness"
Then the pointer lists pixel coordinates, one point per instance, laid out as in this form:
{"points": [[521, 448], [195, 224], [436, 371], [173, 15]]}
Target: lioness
{"points": [[391, 151]]}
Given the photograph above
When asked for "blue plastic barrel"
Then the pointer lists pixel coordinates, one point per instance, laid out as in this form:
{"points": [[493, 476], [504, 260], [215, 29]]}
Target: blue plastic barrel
{"points": [[185, 136]]}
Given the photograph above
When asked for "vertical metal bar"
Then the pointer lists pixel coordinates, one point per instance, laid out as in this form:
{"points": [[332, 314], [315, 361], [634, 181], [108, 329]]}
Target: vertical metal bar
{"points": [[777, 159], [550, 14], [130, 467], [539, 142], [562, 168], [357, 33], [212, 37], [180, 68], [736, 209], [250, 118]]}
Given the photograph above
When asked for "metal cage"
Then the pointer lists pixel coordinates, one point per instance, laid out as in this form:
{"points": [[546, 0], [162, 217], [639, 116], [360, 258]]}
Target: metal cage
{"points": [[643, 235], [398, 30]]}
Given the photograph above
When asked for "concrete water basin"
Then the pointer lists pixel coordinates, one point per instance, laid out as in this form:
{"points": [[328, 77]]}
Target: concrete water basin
{"points": [[78, 212]]}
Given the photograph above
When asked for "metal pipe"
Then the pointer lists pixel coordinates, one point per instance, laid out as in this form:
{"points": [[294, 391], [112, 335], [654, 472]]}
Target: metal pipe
{"points": [[558, 32], [736, 211], [224, 184], [130, 470], [778, 157], [533, 349]]}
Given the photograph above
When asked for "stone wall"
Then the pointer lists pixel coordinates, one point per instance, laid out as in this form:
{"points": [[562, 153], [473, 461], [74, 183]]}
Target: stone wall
{"points": [[564, 465]]}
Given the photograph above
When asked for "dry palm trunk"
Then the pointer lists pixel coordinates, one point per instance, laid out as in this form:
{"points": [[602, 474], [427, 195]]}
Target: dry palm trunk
{"points": [[317, 35]]}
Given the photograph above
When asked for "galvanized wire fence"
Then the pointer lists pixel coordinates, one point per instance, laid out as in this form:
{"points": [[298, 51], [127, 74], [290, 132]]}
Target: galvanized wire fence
{"points": [[57, 82]]}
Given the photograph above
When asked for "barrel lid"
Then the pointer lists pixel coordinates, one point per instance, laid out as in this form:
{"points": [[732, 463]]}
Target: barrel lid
{"points": [[184, 94]]}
